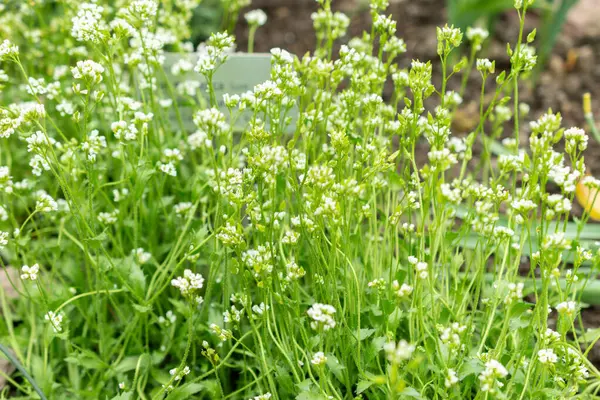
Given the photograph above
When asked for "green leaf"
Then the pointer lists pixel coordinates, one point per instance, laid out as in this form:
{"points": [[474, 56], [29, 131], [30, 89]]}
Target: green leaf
{"points": [[379, 342], [335, 367], [366, 333], [471, 367], [411, 392], [123, 396], [590, 335], [128, 364], [86, 359], [132, 273], [143, 176], [96, 240], [310, 396], [519, 317], [362, 386], [185, 391], [142, 309]]}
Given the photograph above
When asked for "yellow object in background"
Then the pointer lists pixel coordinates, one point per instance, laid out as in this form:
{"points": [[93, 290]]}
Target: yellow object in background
{"points": [[589, 200]]}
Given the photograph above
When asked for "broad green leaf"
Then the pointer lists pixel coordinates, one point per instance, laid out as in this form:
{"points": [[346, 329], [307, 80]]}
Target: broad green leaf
{"points": [[411, 392], [335, 367], [128, 364], [185, 391], [142, 309], [471, 367], [132, 273], [362, 386], [366, 333]]}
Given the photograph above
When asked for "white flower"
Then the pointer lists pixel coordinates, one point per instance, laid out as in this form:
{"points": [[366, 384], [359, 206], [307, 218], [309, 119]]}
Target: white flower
{"points": [[515, 292], [260, 309], [396, 353], [109, 218], [38, 164], [8, 50], [182, 208], [590, 182], [449, 34], [120, 195], [567, 308], [294, 271], [168, 319], [6, 183], [451, 335], [547, 356], [550, 336], [575, 139], [489, 377], [172, 155], [123, 131], [318, 358], [168, 168], [421, 270], [256, 17], [144, 10], [141, 256], [179, 375], [30, 273], [265, 396], [223, 334], [477, 36], [402, 291], [233, 316], [88, 24], [282, 56], [93, 145], [484, 65], [322, 316], [451, 378], [290, 237], [230, 234], [189, 283], [55, 320], [3, 239], [556, 241], [88, 71], [259, 260], [214, 53], [523, 205], [45, 203]]}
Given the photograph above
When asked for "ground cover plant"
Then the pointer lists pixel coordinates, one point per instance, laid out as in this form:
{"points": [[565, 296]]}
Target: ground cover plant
{"points": [[310, 253]]}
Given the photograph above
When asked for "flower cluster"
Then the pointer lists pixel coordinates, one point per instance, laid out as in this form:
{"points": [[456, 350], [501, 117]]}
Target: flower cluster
{"points": [[189, 284], [321, 316]]}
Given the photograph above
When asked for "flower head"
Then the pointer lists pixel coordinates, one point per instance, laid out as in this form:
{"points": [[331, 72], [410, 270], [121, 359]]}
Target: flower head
{"points": [[30, 273], [322, 316], [256, 17]]}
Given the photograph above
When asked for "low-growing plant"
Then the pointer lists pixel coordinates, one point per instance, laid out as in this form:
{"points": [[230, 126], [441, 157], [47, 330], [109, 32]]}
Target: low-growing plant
{"points": [[309, 253], [553, 16]]}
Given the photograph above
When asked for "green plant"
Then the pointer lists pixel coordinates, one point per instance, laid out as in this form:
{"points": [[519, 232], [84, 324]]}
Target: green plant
{"points": [[466, 13], [312, 257]]}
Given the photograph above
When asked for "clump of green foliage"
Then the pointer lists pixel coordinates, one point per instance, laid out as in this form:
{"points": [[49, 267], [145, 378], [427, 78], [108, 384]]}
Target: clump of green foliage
{"points": [[307, 253]]}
